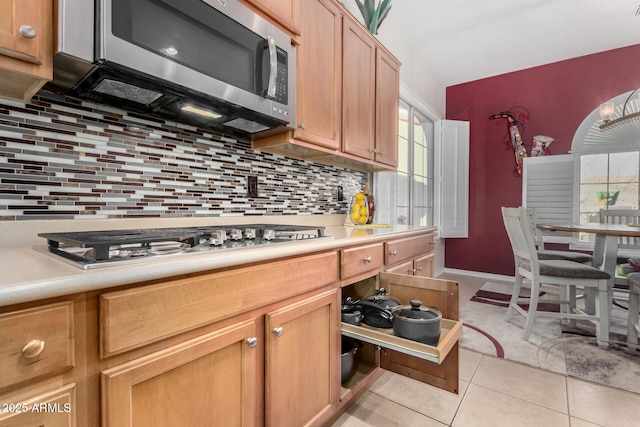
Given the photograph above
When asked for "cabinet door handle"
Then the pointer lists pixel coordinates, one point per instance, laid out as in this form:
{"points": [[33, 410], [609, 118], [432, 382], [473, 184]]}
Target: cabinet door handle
{"points": [[419, 268], [380, 152], [367, 259], [393, 253], [301, 125], [252, 342], [33, 349], [27, 31], [278, 331]]}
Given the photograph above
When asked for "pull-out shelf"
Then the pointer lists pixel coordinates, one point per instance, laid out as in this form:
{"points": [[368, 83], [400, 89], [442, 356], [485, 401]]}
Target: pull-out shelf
{"points": [[450, 332]]}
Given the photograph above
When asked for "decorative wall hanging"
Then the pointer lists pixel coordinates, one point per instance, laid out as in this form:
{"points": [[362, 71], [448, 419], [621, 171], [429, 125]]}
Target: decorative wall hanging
{"points": [[541, 143], [516, 139], [374, 15]]}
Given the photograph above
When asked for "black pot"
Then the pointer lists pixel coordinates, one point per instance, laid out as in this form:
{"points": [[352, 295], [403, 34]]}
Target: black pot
{"points": [[377, 309], [417, 323], [352, 314], [349, 349]]}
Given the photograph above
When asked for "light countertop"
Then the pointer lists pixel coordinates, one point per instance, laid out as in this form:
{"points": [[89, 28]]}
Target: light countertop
{"points": [[31, 274]]}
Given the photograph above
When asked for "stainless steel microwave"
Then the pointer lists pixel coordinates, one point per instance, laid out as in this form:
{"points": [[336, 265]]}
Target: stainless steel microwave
{"points": [[210, 63]]}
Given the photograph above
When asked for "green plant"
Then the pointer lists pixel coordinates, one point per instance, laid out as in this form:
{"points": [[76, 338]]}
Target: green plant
{"points": [[374, 15]]}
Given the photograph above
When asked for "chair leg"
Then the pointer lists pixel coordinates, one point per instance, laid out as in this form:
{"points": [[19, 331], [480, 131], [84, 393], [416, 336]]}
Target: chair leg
{"points": [[632, 321], [572, 304], [603, 310], [568, 302], [517, 284], [533, 309]]}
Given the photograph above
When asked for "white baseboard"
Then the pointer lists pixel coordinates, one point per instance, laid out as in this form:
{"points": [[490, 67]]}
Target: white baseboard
{"points": [[487, 276]]}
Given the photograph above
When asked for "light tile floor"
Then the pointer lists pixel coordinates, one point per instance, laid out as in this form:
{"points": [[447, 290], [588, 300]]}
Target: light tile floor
{"points": [[493, 393]]}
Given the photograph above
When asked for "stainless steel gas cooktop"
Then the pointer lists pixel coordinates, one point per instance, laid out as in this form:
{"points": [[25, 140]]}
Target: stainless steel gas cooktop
{"points": [[91, 249]]}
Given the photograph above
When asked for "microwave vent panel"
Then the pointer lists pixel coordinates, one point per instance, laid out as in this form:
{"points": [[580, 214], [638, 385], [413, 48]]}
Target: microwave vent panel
{"points": [[127, 91], [246, 125]]}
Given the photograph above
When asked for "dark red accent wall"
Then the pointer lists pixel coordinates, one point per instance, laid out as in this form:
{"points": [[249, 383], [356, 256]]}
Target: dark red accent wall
{"points": [[558, 97]]}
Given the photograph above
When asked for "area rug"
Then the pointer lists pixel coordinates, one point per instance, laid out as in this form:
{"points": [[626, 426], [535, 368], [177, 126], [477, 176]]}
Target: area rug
{"points": [[552, 346]]}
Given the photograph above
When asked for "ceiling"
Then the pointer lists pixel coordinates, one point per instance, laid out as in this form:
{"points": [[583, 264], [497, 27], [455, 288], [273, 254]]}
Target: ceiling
{"points": [[465, 40]]}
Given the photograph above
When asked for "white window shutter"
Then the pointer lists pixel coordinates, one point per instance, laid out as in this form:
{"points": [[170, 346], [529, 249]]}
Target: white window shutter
{"points": [[455, 179], [547, 186]]}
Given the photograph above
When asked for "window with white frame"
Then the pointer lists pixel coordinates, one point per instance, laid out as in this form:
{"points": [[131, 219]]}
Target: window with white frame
{"points": [[409, 190], [607, 181]]}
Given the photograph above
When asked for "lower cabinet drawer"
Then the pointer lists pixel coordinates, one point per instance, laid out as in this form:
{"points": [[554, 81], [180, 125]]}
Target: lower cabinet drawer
{"points": [[400, 250], [135, 317], [360, 260], [55, 408], [36, 342]]}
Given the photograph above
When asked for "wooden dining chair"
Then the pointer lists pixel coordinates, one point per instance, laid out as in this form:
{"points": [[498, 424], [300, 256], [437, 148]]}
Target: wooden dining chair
{"points": [[633, 326], [547, 254], [626, 244], [566, 275]]}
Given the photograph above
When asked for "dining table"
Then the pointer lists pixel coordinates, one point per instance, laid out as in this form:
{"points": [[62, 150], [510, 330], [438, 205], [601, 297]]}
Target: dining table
{"points": [[605, 248]]}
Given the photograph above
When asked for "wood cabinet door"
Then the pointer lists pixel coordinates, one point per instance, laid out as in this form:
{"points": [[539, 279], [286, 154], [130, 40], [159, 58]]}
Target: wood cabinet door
{"points": [[211, 380], [286, 12], [358, 80], [26, 62], [319, 74], [387, 104], [404, 268], [21, 14], [302, 362], [423, 266], [431, 292]]}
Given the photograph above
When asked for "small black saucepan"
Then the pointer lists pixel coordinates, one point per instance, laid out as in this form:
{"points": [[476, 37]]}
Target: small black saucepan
{"points": [[376, 309], [347, 358], [352, 314]]}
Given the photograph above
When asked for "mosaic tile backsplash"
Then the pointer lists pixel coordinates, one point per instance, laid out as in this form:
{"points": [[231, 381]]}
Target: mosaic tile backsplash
{"points": [[61, 158]]}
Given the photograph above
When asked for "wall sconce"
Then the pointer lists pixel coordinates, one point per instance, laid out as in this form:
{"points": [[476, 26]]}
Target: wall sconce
{"points": [[607, 111]]}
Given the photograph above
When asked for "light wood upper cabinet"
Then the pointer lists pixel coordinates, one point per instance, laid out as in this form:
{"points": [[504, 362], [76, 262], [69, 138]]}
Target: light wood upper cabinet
{"points": [[211, 380], [387, 103], [302, 362], [26, 47], [319, 74], [346, 94], [359, 83], [285, 12]]}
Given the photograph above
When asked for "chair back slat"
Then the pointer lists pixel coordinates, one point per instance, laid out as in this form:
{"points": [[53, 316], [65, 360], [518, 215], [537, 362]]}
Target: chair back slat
{"points": [[519, 229], [622, 216], [535, 231]]}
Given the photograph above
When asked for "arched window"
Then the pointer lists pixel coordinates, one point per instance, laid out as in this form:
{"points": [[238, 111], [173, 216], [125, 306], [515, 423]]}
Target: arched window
{"points": [[601, 172], [607, 162]]}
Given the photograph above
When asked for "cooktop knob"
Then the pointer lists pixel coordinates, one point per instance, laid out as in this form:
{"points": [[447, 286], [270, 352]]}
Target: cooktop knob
{"points": [[268, 234], [217, 238], [249, 233], [235, 234]]}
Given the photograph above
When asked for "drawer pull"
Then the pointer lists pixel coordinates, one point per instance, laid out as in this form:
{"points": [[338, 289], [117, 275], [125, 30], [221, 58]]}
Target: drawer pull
{"points": [[27, 31], [33, 349], [393, 253], [367, 259], [252, 342], [279, 331]]}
